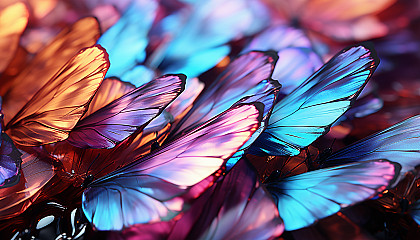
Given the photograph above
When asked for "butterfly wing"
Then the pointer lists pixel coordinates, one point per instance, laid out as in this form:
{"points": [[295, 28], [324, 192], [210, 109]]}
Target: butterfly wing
{"points": [[202, 32], [399, 143], [109, 90], [47, 63], [182, 104], [10, 162], [13, 20], [55, 109], [308, 112], [239, 80], [119, 119], [16, 199], [147, 190], [266, 96], [237, 207], [307, 197], [126, 40]]}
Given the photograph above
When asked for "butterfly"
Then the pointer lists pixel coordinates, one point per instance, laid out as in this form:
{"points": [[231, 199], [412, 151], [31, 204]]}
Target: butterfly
{"points": [[398, 143], [303, 199], [308, 111], [235, 207], [13, 20], [152, 185]]}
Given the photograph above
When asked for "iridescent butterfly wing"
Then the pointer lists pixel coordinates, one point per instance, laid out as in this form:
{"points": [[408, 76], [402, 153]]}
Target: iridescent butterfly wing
{"points": [[297, 58], [308, 112], [55, 109], [198, 34], [238, 207], [126, 40], [10, 162], [116, 121], [47, 62], [399, 143], [235, 207], [147, 190], [34, 176], [240, 79], [307, 197]]}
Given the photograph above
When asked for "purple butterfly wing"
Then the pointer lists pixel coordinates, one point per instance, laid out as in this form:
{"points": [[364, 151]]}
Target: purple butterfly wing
{"points": [[116, 121], [303, 199], [239, 80], [237, 206], [147, 189], [10, 162]]}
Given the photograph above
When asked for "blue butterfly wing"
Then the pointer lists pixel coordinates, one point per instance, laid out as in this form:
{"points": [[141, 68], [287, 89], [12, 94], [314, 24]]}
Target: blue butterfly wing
{"points": [[200, 31], [303, 199], [147, 190], [126, 40], [399, 143], [266, 96], [308, 112]]}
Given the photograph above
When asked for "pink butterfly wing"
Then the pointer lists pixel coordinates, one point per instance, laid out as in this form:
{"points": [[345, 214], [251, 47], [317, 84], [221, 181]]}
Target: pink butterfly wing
{"points": [[152, 183], [236, 82]]}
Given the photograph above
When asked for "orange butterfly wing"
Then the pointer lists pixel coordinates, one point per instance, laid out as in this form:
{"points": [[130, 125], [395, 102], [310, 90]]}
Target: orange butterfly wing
{"points": [[46, 63], [55, 109]]}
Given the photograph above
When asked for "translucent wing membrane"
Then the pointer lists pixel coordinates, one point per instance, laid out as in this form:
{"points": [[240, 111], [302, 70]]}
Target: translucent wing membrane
{"points": [[55, 109], [46, 64], [239, 80], [307, 197], [236, 207], [399, 143], [9, 162], [308, 111], [16, 199], [116, 121], [147, 189]]}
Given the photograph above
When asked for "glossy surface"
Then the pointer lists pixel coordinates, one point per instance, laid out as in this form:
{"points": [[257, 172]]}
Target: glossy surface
{"points": [[308, 112], [152, 183], [114, 122], [307, 197]]}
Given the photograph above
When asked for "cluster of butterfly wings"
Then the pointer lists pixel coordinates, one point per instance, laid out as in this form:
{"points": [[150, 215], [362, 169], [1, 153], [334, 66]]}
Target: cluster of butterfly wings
{"points": [[147, 161]]}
